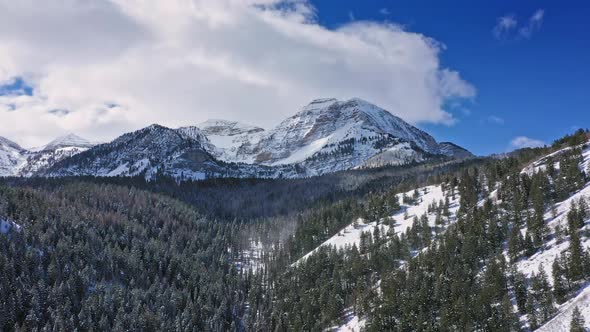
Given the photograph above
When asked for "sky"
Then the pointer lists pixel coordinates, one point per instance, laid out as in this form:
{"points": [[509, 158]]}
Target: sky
{"points": [[490, 76]]}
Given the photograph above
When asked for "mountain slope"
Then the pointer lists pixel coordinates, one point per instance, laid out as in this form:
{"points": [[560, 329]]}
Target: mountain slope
{"points": [[11, 157], [515, 222], [39, 159], [232, 141], [70, 140], [147, 150], [179, 153], [328, 135]]}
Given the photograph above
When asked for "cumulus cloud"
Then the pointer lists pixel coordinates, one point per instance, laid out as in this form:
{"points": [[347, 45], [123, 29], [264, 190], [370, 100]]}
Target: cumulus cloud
{"points": [[118, 65], [525, 142]]}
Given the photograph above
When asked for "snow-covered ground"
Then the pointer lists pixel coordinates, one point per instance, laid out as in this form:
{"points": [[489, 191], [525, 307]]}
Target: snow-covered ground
{"points": [[351, 234], [541, 163], [545, 257], [251, 259], [352, 323], [561, 322], [7, 225], [11, 157], [552, 249]]}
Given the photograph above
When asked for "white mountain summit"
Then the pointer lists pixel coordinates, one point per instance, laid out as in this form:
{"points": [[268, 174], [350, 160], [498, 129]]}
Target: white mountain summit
{"points": [[328, 135]]}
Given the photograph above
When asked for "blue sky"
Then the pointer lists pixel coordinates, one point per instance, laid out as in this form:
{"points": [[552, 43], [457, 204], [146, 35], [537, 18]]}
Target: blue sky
{"points": [[508, 69], [538, 87]]}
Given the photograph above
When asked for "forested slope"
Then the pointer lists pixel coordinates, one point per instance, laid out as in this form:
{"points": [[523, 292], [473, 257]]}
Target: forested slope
{"points": [[494, 244]]}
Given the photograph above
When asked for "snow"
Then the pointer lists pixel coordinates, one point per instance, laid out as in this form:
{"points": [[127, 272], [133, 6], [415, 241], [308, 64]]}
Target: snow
{"points": [[304, 152], [123, 168], [551, 248], [321, 127], [11, 157], [561, 322], [251, 259], [540, 164], [69, 140], [546, 258], [6, 226], [396, 155], [352, 323], [351, 234]]}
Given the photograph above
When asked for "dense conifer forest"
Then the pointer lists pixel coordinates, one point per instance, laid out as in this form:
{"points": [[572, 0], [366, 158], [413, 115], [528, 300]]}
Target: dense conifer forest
{"points": [[122, 254]]}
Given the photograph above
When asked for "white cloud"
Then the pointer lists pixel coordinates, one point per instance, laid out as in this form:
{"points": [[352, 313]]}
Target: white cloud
{"points": [[384, 11], [119, 65], [495, 119], [526, 142], [507, 28], [504, 26], [534, 24]]}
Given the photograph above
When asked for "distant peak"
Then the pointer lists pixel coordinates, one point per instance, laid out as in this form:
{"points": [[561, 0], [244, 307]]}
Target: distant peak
{"points": [[156, 126], [69, 140], [323, 100], [9, 143], [227, 127]]}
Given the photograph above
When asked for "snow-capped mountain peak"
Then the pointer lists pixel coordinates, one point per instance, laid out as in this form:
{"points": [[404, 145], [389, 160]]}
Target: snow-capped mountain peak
{"points": [[227, 128], [327, 135], [6, 143], [66, 141], [11, 157]]}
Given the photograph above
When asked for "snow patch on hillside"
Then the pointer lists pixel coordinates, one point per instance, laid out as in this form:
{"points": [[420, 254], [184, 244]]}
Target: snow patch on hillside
{"points": [[6, 226], [561, 322], [351, 234], [551, 248], [352, 323]]}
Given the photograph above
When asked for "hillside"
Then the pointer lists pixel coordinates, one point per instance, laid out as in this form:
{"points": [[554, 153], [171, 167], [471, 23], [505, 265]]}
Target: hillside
{"points": [[492, 244], [517, 228]]}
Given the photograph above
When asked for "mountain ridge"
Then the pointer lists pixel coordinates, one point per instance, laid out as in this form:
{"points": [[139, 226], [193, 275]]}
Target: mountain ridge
{"points": [[325, 136]]}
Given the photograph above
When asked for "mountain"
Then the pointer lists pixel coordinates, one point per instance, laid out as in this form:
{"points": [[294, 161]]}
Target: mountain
{"points": [[453, 150], [143, 151], [328, 135], [514, 235], [17, 161], [11, 157], [179, 153], [486, 244], [39, 159], [325, 136], [232, 141], [67, 141]]}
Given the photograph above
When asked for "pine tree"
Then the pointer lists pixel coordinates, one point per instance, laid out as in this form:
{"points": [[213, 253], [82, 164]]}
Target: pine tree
{"points": [[529, 247], [559, 287], [531, 312], [583, 210], [446, 208], [543, 294], [514, 244], [577, 323], [520, 290], [537, 224], [576, 255]]}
